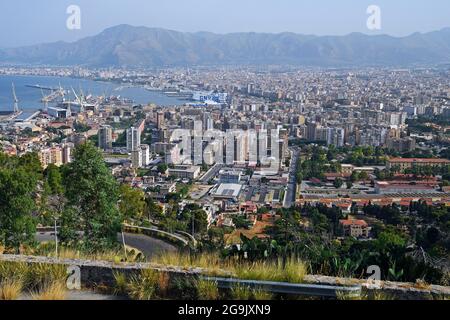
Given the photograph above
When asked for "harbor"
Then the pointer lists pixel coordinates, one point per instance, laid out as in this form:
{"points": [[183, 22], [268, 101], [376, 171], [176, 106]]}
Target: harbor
{"points": [[35, 92]]}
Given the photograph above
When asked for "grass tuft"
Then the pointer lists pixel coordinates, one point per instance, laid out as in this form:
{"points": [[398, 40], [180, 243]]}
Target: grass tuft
{"points": [[240, 292], [207, 290], [120, 284], [149, 285], [10, 290], [55, 291], [260, 294]]}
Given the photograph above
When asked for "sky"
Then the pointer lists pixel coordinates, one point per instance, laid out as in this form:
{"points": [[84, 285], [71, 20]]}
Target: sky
{"points": [[26, 22]]}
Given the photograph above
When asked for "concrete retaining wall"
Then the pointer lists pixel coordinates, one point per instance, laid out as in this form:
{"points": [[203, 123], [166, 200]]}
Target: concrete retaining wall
{"points": [[100, 273]]}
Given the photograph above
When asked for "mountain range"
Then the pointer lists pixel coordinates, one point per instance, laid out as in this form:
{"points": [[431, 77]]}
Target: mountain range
{"points": [[130, 46]]}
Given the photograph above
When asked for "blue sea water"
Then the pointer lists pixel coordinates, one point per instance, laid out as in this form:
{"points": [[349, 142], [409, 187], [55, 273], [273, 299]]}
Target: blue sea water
{"points": [[29, 98]]}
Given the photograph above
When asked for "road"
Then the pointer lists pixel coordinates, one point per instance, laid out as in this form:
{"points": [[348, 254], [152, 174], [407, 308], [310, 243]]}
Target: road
{"points": [[147, 245], [211, 173], [292, 185]]}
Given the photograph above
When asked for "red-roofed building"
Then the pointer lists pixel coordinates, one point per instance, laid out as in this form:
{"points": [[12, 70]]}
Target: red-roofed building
{"points": [[248, 208], [354, 228], [407, 163]]}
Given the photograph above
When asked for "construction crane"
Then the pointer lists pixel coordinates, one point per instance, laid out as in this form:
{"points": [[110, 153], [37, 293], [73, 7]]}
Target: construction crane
{"points": [[45, 100], [80, 101], [62, 92], [16, 101]]}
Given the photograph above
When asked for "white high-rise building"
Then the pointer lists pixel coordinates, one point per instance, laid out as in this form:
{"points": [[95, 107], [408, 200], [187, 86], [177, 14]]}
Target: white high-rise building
{"points": [[136, 158], [208, 122], [105, 138], [145, 154], [133, 139]]}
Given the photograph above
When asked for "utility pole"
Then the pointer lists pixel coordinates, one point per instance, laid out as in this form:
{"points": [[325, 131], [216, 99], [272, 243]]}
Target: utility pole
{"points": [[56, 238], [193, 226], [124, 246]]}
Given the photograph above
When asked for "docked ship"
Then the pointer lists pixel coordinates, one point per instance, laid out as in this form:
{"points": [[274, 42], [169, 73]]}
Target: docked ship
{"points": [[37, 86]]}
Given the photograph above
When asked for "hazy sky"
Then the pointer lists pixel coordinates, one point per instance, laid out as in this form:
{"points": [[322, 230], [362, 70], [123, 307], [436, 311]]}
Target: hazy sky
{"points": [[25, 22]]}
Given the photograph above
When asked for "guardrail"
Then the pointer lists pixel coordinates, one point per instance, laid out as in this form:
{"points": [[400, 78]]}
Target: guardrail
{"points": [[175, 237], [313, 290], [194, 241]]}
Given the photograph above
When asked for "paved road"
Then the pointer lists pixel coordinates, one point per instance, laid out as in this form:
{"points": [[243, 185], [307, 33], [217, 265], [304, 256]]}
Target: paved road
{"points": [[292, 186], [212, 173], [147, 245]]}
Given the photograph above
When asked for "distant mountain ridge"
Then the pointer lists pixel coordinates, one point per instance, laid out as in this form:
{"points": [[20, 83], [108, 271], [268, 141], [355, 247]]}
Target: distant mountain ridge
{"points": [[125, 45]]}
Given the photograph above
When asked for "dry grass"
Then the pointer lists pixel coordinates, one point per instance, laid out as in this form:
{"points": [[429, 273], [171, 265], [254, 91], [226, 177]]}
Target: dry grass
{"points": [[149, 285], [211, 263], [38, 276], [340, 295], [380, 295], [33, 277], [422, 284], [68, 253], [10, 290], [293, 271], [53, 291], [117, 256], [258, 230], [240, 292], [141, 290], [365, 295], [259, 294], [120, 284], [12, 271], [207, 290]]}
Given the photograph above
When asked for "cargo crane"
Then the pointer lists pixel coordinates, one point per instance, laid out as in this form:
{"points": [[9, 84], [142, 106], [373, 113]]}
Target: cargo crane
{"points": [[79, 100], [16, 100], [45, 100]]}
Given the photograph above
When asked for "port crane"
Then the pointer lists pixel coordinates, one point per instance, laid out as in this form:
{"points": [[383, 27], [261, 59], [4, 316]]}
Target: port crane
{"points": [[16, 100], [45, 100], [79, 99]]}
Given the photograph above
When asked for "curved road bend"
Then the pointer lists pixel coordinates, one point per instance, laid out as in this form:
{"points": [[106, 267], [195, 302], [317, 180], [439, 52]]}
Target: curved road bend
{"points": [[147, 245]]}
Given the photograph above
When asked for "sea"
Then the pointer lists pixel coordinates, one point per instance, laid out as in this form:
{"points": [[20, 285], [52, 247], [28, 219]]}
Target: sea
{"points": [[30, 98]]}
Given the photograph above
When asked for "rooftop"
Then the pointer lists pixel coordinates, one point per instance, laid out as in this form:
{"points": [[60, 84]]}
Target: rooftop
{"points": [[228, 190], [418, 160]]}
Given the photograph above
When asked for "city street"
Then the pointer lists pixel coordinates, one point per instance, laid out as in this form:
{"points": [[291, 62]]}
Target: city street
{"points": [[292, 185]]}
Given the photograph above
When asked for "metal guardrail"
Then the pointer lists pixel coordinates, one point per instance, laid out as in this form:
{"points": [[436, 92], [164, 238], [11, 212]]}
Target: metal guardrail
{"points": [[156, 230], [313, 290], [182, 233]]}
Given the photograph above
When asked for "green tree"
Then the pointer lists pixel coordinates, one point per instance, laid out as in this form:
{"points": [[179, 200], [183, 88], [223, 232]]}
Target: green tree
{"points": [[52, 201], [152, 209], [199, 223], [162, 168], [54, 178], [195, 218], [338, 183], [93, 192], [17, 225], [132, 202]]}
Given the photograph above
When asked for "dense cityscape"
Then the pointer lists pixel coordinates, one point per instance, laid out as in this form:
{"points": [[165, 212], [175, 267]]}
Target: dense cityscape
{"points": [[350, 162], [143, 163]]}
